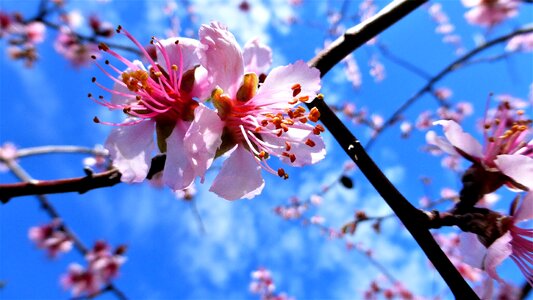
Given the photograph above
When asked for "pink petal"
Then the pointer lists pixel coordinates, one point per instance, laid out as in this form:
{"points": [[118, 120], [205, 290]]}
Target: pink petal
{"points": [[130, 148], [518, 167], [277, 88], [179, 171], [467, 146], [222, 57], [433, 139], [472, 250], [496, 253], [203, 138], [525, 210], [189, 55], [257, 57], [240, 176]]}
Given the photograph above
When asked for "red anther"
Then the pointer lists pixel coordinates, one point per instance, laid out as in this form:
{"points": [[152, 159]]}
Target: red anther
{"points": [[304, 98], [314, 115], [310, 143], [281, 173], [292, 157], [103, 47], [284, 127], [296, 89], [293, 101], [303, 120], [96, 120], [318, 129], [287, 146], [93, 79]]}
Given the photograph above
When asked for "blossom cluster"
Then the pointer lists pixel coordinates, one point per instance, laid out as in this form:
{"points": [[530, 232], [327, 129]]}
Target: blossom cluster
{"points": [[103, 266], [22, 36], [198, 100], [505, 158], [263, 285], [51, 237]]}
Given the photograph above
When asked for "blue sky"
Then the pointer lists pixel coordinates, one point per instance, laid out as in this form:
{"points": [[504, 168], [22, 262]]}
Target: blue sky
{"points": [[168, 255]]}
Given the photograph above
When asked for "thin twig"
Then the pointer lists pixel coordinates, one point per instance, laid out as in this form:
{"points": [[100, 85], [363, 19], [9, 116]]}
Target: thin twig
{"points": [[458, 63], [59, 149]]}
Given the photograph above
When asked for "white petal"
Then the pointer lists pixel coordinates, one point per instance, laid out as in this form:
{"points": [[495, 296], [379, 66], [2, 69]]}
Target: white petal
{"points": [[472, 250], [257, 57], [203, 138], [222, 57], [240, 176], [467, 145], [496, 253], [277, 88], [179, 170], [518, 167], [130, 148]]}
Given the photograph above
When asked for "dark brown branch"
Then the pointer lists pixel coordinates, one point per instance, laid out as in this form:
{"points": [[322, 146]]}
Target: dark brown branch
{"points": [[414, 220], [428, 87], [77, 184]]}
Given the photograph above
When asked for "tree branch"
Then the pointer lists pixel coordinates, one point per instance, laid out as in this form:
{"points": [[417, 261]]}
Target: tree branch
{"points": [[414, 220], [77, 184]]}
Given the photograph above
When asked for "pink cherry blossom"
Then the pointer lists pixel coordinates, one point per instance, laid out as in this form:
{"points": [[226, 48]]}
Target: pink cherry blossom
{"points": [[51, 237], [515, 243], [162, 99], [103, 266], [508, 148], [263, 285], [81, 281], [103, 262], [258, 122], [78, 53], [490, 12]]}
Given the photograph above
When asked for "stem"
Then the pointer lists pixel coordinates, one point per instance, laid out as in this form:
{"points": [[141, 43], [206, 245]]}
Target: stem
{"points": [[60, 149], [412, 218]]}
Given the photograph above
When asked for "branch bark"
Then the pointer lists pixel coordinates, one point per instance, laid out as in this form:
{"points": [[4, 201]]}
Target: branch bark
{"points": [[414, 220]]}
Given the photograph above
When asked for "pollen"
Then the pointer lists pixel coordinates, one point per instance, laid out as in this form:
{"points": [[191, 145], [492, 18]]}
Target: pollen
{"points": [[318, 129], [310, 143], [304, 98], [287, 146], [314, 115], [296, 89]]}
